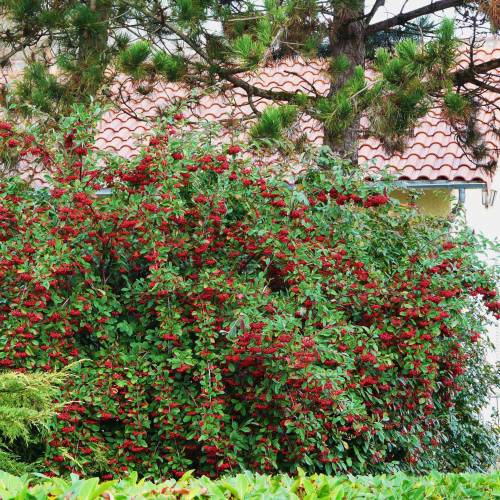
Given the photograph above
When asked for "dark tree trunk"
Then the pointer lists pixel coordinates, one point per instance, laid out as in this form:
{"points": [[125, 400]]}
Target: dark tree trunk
{"points": [[93, 46], [347, 38]]}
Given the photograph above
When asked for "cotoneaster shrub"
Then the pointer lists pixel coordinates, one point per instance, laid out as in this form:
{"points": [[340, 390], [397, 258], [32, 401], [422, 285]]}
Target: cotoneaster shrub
{"points": [[228, 321]]}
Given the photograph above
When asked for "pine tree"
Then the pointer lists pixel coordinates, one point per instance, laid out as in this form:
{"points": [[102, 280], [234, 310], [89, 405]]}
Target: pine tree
{"points": [[205, 41]]}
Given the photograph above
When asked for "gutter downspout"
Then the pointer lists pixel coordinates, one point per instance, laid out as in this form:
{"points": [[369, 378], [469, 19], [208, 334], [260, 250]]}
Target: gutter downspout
{"points": [[461, 196]]}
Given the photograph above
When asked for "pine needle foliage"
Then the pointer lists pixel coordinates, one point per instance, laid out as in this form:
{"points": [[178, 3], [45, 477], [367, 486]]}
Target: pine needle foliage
{"points": [[27, 404], [273, 122], [338, 110], [132, 59], [172, 67], [455, 106], [190, 12], [38, 89], [247, 50], [409, 77]]}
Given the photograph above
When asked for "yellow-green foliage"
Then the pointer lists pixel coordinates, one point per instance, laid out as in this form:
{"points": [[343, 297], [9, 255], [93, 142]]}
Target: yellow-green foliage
{"points": [[26, 407], [26, 401]]}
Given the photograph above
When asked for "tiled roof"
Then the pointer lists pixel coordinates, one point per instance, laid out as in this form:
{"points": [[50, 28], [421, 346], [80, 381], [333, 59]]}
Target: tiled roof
{"points": [[433, 152]]}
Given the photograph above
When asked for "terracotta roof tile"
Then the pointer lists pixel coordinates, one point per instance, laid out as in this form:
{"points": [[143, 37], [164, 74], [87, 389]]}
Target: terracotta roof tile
{"points": [[433, 152]]}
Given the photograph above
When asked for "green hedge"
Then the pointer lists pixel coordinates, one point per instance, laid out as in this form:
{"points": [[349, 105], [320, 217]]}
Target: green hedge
{"points": [[249, 486]]}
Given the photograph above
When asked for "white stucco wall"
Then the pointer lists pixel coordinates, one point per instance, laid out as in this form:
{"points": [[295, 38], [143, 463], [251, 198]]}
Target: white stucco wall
{"points": [[480, 218], [487, 221]]}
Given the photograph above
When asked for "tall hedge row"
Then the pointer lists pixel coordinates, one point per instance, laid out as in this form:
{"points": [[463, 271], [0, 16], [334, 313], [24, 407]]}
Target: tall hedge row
{"points": [[228, 319]]}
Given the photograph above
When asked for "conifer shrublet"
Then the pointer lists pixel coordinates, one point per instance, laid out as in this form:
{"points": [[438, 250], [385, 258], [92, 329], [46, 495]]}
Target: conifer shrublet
{"points": [[28, 403]]}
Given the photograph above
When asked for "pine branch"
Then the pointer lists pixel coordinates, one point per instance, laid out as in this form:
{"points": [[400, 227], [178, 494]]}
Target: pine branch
{"points": [[228, 74], [252, 105], [376, 6], [485, 86], [307, 83], [403, 18], [273, 95], [470, 74], [4, 59]]}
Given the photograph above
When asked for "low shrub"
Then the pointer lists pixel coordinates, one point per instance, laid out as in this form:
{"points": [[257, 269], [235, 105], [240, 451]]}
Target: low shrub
{"points": [[26, 408], [230, 322], [243, 486]]}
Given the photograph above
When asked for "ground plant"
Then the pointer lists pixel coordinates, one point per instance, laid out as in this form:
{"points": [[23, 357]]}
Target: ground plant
{"points": [[435, 486]]}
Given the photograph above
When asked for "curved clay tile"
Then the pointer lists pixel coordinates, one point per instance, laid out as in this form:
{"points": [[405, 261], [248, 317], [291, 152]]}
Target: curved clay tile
{"points": [[433, 152]]}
